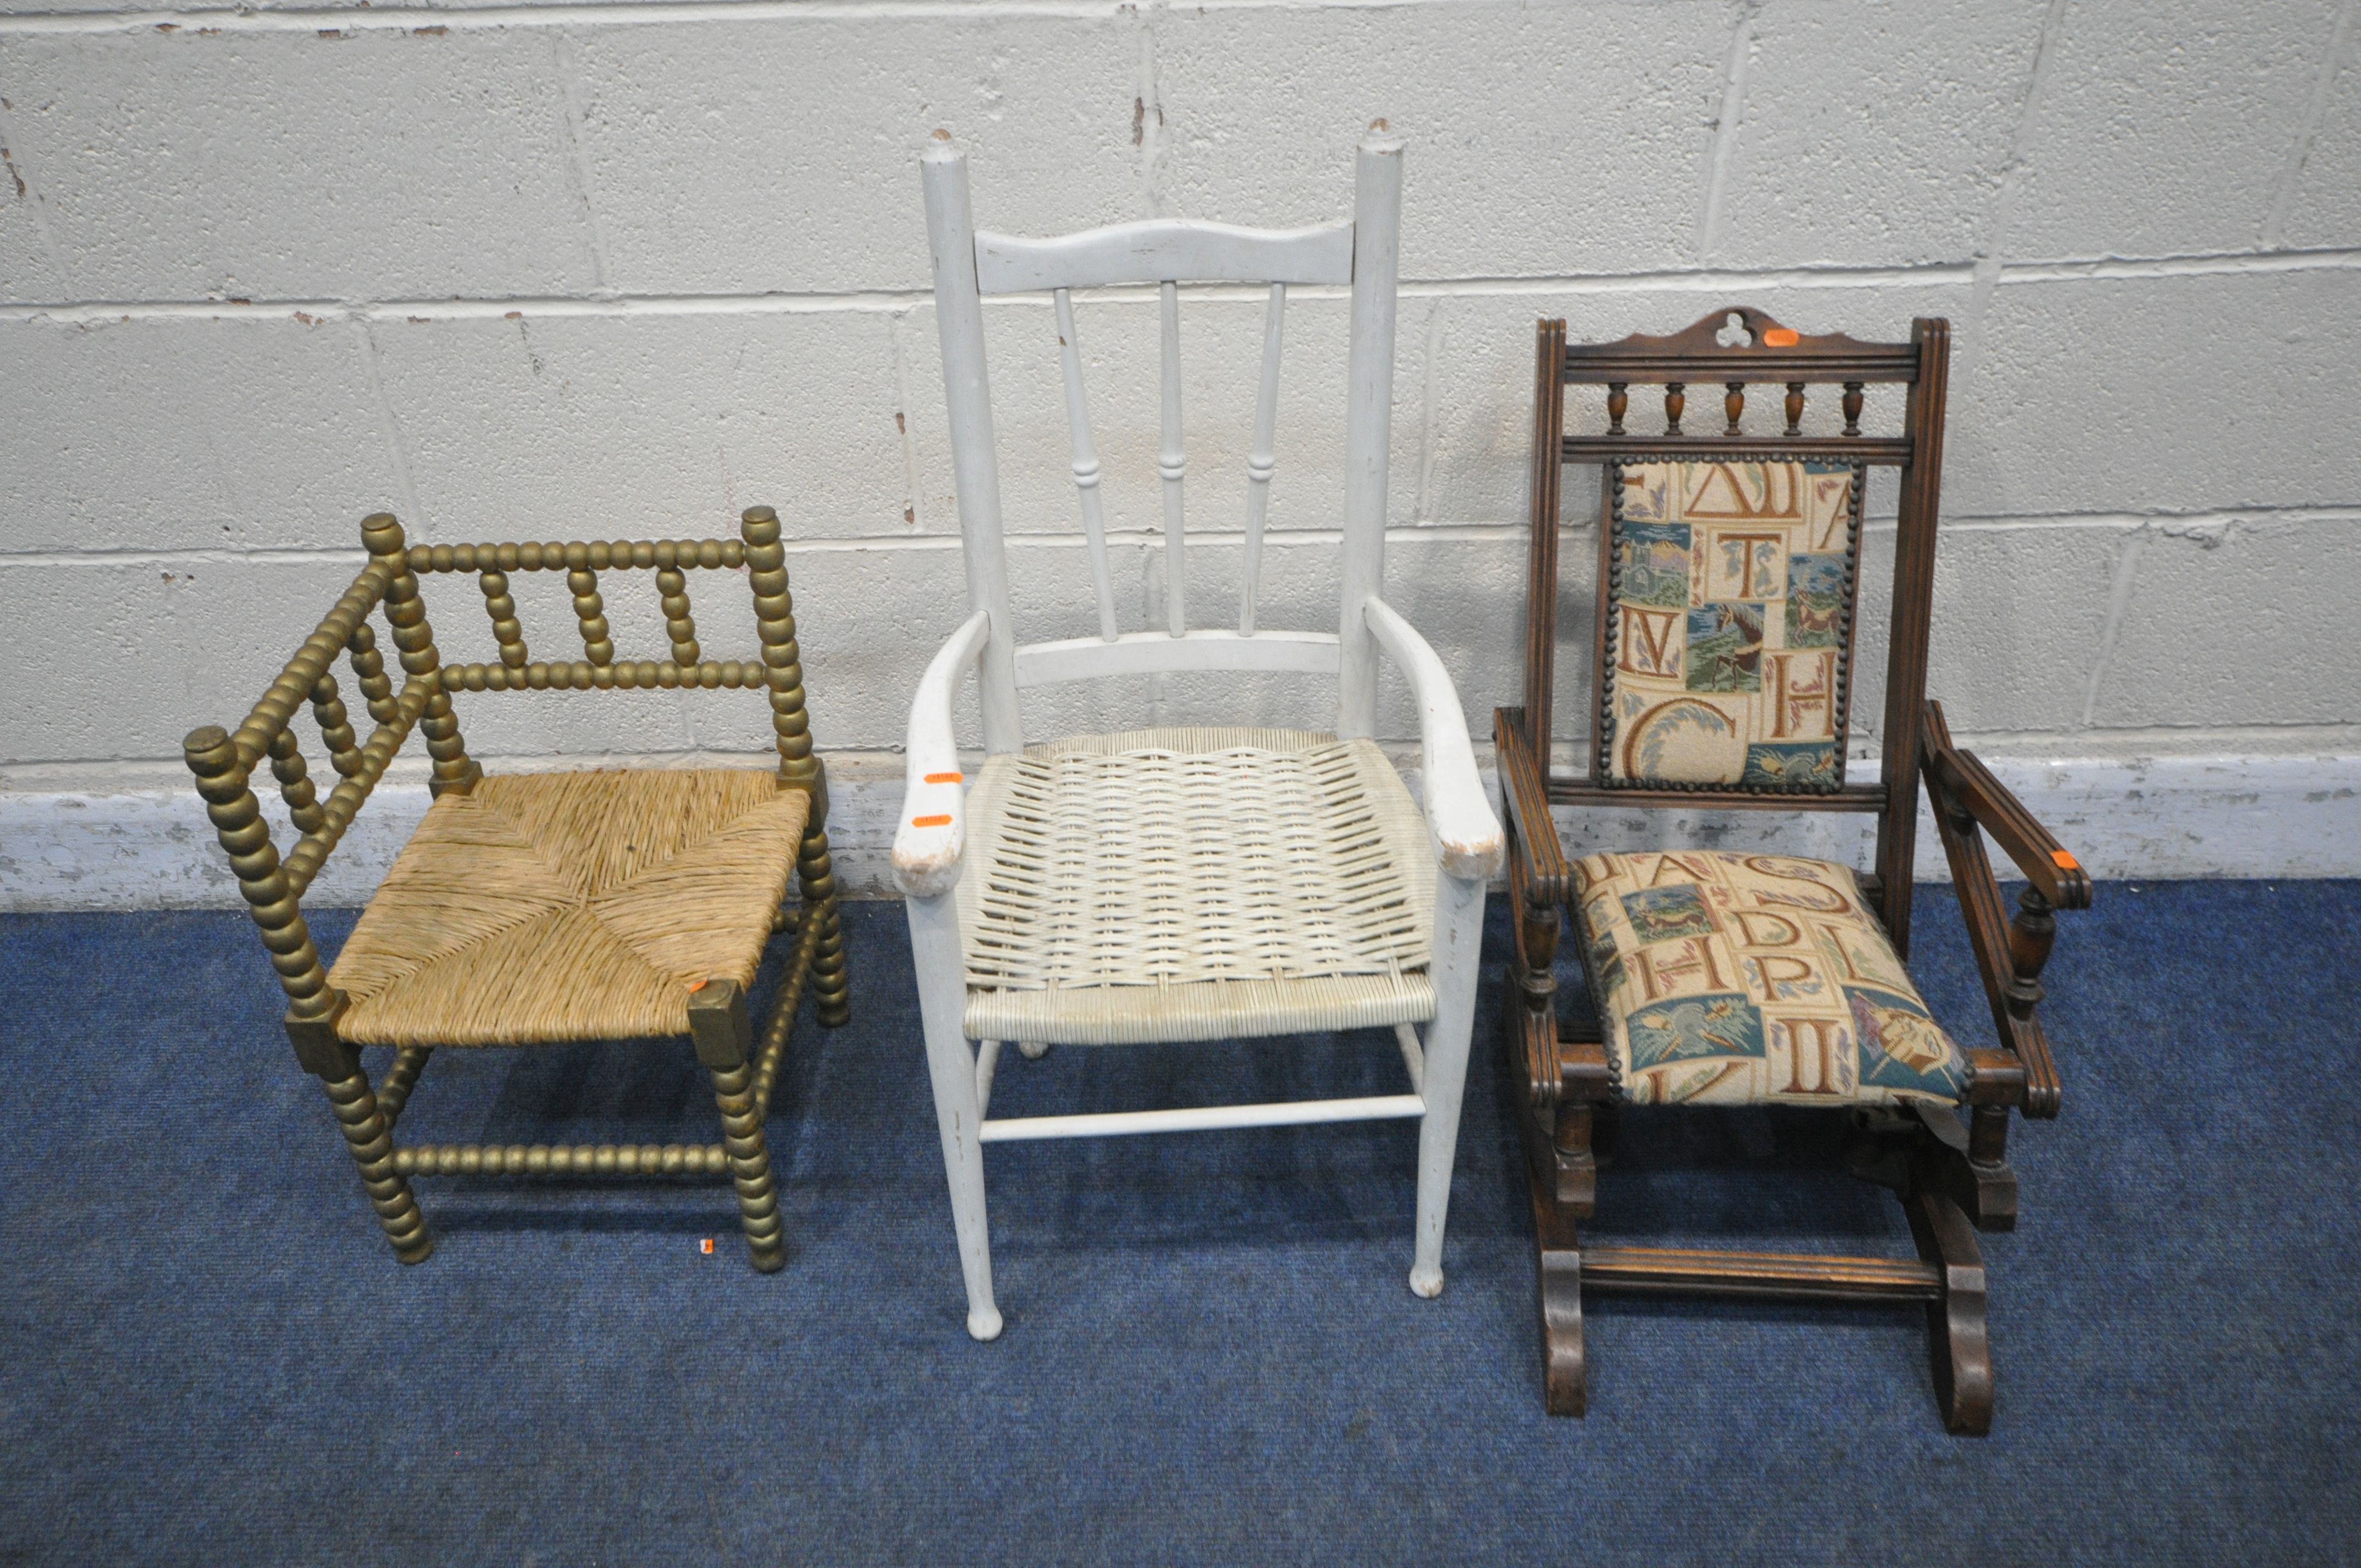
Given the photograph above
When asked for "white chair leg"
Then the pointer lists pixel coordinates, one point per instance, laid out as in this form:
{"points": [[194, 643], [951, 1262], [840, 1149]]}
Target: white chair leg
{"points": [[1034, 1050], [942, 1006], [1459, 938]]}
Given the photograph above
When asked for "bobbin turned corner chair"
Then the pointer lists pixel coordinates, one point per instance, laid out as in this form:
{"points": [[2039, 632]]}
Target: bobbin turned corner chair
{"points": [[1178, 885], [1728, 584], [539, 908]]}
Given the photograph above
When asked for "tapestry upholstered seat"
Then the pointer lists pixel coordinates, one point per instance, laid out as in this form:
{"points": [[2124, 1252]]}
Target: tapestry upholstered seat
{"points": [[570, 906], [1165, 885], [1734, 979]]}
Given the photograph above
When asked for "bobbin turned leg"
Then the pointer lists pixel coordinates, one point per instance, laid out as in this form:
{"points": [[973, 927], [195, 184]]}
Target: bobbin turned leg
{"points": [[717, 1022], [367, 1137], [782, 674], [830, 988], [313, 1003]]}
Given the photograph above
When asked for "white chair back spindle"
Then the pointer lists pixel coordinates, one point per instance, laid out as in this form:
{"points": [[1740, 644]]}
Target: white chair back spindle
{"points": [[1172, 462], [1262, 461], [1362, 253], [1086, 466]]}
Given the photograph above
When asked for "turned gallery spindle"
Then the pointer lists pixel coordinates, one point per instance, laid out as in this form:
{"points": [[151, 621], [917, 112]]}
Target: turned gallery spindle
{"points": [[1733, 403], [1619, 398], [294, 783], [507, 630], [1674, 403], [590, 609], [1852, 408], [1794, 408], [335, 726], [368, 672], [678, 624]]}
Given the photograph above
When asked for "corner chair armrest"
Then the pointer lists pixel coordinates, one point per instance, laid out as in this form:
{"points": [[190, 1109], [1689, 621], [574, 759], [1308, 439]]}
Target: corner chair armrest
{"points": [[1959, 782], [1468, 841], [932, 836], [1524, 791]]}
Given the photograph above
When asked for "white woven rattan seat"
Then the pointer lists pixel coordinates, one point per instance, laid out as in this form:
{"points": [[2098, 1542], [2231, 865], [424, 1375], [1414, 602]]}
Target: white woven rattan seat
{"points": [[1190, 884]]}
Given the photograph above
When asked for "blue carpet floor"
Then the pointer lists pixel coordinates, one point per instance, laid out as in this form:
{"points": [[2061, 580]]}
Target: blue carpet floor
{"points": [[207, 1353]]}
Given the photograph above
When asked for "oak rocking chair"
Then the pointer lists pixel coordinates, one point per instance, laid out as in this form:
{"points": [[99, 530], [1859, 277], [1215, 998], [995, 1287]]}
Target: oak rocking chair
{"points": [[536, 908], [1185, 885], [1721, 659]]}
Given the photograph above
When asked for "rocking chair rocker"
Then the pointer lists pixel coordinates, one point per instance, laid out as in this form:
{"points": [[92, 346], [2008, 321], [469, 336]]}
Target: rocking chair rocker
{"points": [[1728, 581]]}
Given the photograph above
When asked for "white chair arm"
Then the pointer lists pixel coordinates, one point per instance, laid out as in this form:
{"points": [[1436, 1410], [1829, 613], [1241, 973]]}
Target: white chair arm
{"points": [[1467, 836], [927, 845]]}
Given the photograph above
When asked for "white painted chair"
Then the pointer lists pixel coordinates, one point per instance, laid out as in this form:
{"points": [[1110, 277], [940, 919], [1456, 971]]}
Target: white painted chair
{"points": [[1185, 885]]}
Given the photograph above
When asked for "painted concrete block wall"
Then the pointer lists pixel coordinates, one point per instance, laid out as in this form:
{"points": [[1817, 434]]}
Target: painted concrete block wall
{"points": [[555, 271]]}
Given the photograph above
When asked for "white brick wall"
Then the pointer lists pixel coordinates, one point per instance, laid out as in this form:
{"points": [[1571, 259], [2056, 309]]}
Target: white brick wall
{"points": [[563, 269]]}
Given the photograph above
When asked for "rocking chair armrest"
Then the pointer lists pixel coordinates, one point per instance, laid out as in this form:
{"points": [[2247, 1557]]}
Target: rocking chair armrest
{"points": [[1525, 793], [932, 837], [1468, 841], [1961, 782]]}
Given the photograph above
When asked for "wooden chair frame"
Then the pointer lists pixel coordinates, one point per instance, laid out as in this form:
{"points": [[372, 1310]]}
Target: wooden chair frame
{"points": [[743, 1069], [929, 845], [1952, 1180]]}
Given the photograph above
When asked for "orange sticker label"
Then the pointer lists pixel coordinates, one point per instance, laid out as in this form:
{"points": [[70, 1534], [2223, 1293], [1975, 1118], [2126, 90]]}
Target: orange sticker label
{"points": [[1780, 337], [696, 985], [936, 821], [705, 1246], [943, 778], [2065, 862]]}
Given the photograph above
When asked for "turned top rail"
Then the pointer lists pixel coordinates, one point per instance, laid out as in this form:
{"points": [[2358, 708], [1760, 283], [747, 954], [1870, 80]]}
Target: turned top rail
{"points": [[1734, 348], [1753, 348]]}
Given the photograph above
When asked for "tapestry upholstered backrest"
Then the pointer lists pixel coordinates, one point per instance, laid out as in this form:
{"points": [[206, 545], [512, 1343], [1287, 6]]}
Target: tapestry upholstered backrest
{"points": [[1729, 610], [1729, 572]]}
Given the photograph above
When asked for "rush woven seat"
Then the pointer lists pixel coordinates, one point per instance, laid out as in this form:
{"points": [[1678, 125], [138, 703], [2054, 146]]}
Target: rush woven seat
{"points": [[1176, 884], [543, 907]]}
